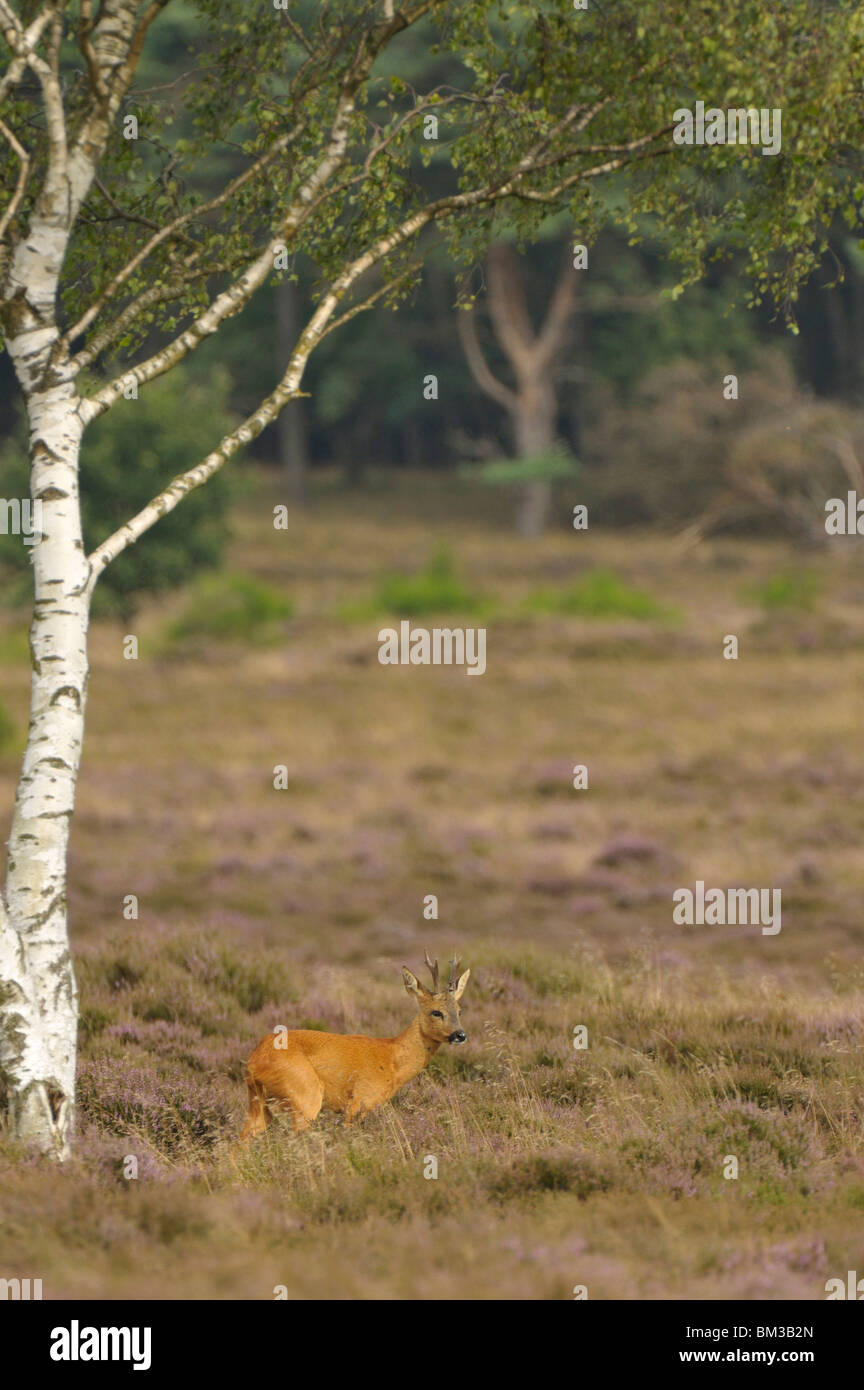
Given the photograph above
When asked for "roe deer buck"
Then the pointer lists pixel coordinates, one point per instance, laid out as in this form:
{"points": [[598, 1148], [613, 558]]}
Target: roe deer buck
{"points": [[303, 1070]]}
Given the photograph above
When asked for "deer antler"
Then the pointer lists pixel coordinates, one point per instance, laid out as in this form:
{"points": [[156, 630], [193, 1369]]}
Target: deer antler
{"points": [[454, 966], [433, 971]]}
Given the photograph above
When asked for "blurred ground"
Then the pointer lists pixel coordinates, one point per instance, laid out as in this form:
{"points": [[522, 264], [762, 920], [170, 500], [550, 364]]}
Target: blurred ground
{"points": [[557, 1167]]}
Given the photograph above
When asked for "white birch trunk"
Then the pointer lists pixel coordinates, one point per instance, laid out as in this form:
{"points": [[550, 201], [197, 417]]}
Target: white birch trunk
{"points": [[38, 996]]}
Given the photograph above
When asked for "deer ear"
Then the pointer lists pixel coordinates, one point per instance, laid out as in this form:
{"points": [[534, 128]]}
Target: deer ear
{"points": [[460, 987], [412, 984]]}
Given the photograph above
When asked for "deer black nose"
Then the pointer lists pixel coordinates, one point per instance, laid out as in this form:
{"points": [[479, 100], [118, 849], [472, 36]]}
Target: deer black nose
{"points": [[457, 1037]]}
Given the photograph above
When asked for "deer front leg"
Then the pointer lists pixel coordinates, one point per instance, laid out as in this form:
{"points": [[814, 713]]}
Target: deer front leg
{"points": [[354, 1110], [364, 1097]]}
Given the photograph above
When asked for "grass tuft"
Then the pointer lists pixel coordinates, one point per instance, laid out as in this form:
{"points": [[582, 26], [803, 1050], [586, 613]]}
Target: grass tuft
{"points": [[598, 594]]}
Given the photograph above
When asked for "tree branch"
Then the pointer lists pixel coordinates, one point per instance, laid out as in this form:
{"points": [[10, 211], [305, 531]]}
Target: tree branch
{"points": [[23, 175], [231, 300], [159, 293], [558, 315], [124, 274], [382, 290], [22, 42], [153, 10], [552, 195], [85, 29], [55, 189], [508, 308], [287, 390], [479, 367]]}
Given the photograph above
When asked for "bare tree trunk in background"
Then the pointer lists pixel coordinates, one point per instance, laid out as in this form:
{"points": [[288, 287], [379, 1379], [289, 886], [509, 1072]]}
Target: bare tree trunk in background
{"points": [[534, 428], [291, 423], [532, 355]]}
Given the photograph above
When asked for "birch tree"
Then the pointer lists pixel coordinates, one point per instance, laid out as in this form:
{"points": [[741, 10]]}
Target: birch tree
{"points": [[117, 262]]}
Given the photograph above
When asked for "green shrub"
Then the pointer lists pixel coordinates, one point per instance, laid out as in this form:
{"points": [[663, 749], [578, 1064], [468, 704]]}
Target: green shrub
{"points": [[794, 589], [550, 467], [231, 608], [435, 589], [598, 594]]}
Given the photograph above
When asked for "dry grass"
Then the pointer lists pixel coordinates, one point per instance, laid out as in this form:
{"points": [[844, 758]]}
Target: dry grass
{"points": [[556, 1166]]}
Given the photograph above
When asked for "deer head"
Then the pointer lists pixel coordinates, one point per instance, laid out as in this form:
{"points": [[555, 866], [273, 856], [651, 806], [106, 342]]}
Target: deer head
{"points": [[440, 1021]]}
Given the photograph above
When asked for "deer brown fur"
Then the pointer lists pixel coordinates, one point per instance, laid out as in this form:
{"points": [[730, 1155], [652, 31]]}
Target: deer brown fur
{"points": [[303, 1071]]}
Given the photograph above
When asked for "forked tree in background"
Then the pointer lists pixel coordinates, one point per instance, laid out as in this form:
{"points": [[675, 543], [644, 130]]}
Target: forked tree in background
{"points": [[532, 354]]}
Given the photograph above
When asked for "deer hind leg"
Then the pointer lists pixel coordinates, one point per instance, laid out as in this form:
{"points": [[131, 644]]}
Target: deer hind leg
{"points": [[294, 1085], [259, 1115]]}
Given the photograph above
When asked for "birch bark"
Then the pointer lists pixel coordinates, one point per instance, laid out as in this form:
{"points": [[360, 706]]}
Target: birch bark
{"points": [[38, 996]]}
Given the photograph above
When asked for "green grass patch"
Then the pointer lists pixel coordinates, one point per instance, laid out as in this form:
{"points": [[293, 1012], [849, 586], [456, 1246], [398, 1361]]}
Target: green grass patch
{"points": [[794, 589], [230, 608], [550, 467], [437, 588], [598, 594]]}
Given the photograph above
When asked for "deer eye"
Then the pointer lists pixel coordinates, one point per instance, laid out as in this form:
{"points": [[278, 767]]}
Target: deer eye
{"points": [[436, 1013]]}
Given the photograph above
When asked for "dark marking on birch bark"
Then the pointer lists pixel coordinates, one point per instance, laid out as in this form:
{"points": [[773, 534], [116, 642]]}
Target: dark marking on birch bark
{"points": [[69, 690], [57, 903], [41, 447]]}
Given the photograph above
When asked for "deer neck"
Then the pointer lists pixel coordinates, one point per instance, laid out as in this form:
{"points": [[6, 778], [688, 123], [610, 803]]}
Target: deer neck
{"points": [[412, 1052]]}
